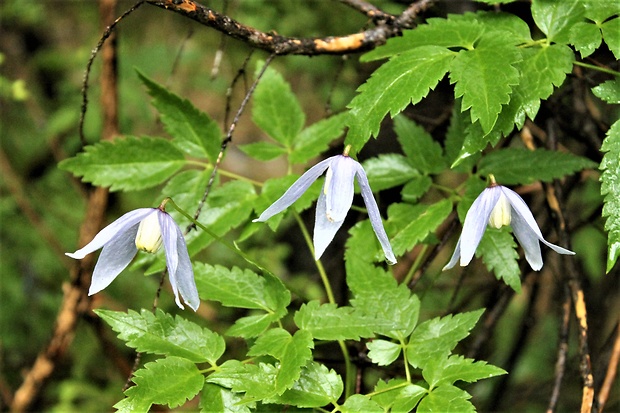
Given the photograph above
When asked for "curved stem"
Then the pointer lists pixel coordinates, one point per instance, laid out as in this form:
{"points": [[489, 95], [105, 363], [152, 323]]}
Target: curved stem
{"points": [[599, 68], [415, 265]]}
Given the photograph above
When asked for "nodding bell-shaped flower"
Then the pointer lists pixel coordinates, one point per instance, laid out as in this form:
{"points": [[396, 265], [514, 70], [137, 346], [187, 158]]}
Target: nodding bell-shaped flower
{"points": [[334, 201], [143, 229], [498, 206]]}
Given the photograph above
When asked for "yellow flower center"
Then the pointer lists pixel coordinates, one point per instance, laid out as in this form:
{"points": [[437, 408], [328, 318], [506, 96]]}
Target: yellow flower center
{"points": [[148, 237], [500, 215]]}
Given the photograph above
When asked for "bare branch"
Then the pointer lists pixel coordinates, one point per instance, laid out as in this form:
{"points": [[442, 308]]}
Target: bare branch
{"points": [[282, 45]]}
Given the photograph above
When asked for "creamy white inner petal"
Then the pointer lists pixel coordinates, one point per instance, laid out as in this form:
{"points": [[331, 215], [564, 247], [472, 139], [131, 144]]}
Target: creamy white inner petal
{"points": [[500, 215], [149, 234]]}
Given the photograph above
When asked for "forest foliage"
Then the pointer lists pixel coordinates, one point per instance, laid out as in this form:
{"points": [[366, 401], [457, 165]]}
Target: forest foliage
{"points": [[279, 331]]}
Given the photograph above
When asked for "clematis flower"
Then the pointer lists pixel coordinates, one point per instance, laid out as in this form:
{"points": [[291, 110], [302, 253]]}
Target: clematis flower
{"points": [[498, 206], [334, 201], [142, 229]]}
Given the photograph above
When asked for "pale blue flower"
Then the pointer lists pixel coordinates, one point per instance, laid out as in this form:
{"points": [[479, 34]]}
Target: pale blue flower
{"points": [[334, 201], [144, 229], [498, 206]]}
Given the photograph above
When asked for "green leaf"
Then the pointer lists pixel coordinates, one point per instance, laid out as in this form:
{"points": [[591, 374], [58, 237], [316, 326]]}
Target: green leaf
{"points": [[388, 170], [160, 333], [316, 138], [253, 325], [126, 164], [541, 70], [451, 369], [497, 248], [255, 380], [240, 288], [446, 398], [513, 166], [317, 386], [192, 130], [416, 188], [437, 337], [405, 79], [611, 35], [455, 140], [276, 109], [376, 293], [293, 352], [397, 395], [555, 19], [329, 322], [419, 146], [359, 403], [263, 151], [408, 398], [608, 91], [421, 224], [170, 381], [485, 75], [600, 10], [454, 32], [586, 37], [383, 352], [221, 400], [610, 189]]}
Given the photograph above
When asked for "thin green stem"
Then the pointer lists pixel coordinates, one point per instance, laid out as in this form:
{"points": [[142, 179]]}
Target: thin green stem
{"points": [[223, 172], [319, 265], [387, 389], [406, 360], [415, 266], [349, 384], [599, 68]]}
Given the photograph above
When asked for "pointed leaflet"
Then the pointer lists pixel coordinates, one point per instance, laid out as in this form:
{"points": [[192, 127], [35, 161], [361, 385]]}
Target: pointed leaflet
{"points": [[484, 76], [438, 337], [388, 170], [383, 352], [451, 369], [497, 249], [555, 18], [126, 164], [423, 221], [276, 109], [610, 189], [419, 146], [160, 333], [315, 139], [219, 399], [446, 398], [376, 292], [241, 288], [170, 381], [329, 322], [255, 380], [405, 79], [293, 352], [586, 37], [513, 166], [611, 35], [360, 403], [455, 31], [192, 130], [608, 91], [317, 386], [541, 69], [263, 151], [397, 395]]}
